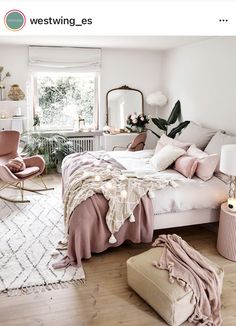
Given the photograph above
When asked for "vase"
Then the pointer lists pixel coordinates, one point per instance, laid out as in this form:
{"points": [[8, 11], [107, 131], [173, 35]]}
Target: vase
{"points": [[140, 129], [2, 92], [15, 93]]}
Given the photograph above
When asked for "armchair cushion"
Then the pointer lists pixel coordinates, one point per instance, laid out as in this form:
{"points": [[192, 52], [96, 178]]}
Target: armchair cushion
{"points": [[27, 172]]}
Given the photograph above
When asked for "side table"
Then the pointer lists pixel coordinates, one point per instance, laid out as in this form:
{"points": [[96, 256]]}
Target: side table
{"points": [[226, 242]]}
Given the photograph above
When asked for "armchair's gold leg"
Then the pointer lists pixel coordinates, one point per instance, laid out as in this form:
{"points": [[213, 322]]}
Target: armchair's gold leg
{"points": [[20, 186], [44, 188], [11, 200]]}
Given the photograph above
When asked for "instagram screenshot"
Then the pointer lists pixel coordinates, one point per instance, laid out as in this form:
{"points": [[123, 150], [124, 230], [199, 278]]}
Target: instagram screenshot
{"points": [[117, 163]]}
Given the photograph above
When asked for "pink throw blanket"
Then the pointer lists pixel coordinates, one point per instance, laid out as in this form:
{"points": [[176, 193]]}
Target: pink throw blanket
{"points": [[88, 231], [191, 269]]}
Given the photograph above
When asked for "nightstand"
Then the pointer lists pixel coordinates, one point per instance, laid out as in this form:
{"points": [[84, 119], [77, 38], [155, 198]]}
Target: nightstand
{"points": [[226, 242]]}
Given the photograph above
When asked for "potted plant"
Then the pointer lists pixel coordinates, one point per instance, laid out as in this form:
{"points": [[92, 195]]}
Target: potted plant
{"points": [[165, 124], [62, 147], [38, 145], [53, 149]]}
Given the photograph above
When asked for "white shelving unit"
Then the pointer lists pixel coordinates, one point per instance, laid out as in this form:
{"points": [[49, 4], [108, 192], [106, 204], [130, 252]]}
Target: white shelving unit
{"points": [[9, 108]]}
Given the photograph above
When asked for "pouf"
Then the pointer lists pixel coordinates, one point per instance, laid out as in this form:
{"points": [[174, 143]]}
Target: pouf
{"points": [[170, 301]]}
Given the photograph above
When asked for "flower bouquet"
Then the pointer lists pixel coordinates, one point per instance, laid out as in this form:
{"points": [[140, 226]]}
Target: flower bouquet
{"points": [[137, 122]]}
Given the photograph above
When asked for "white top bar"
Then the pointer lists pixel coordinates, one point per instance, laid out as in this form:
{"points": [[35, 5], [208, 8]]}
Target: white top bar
{"points": [[125, 18]]}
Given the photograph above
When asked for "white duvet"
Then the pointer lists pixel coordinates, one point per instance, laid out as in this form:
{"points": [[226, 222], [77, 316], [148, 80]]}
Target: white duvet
{"points": [[189, 194]]}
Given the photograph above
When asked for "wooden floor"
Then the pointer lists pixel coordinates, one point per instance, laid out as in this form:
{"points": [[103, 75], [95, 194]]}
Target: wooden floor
{"points": [[107, 300]]}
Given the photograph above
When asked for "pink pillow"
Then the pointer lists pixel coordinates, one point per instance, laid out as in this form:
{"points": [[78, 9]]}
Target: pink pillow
{"points": [[165, 140], [206, 163], [186, 165], [16, 165]]}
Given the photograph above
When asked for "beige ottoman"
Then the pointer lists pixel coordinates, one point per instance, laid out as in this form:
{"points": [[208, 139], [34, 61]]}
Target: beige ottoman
{"points": [[170, 301]]}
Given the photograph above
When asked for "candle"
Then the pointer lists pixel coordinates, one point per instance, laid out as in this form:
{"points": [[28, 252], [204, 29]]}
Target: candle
{"points": [[232, 204]]}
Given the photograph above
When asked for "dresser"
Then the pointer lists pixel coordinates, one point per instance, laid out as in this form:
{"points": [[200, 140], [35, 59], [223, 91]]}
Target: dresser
{"points": [[110, 141]]}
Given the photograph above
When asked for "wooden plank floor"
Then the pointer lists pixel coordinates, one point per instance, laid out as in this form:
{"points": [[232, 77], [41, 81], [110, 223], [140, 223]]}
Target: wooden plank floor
{"points": [[106, 299]]}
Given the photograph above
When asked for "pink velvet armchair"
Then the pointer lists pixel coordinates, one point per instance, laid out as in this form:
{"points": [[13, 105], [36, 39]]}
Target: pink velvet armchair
{"points": [[32, 166]]}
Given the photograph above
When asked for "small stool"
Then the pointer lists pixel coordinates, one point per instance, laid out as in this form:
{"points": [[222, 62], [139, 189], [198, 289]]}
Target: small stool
{"points": [[226, 242], [170, 301]]}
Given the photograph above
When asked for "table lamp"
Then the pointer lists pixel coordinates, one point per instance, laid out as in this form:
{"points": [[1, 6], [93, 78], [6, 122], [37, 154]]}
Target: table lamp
{"points": [[228, 166]]}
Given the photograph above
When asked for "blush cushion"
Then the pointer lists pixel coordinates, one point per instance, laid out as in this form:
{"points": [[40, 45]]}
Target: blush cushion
{"points": [[206, 163], [16, 165], [27, 172], [165, 157], [186, 165], [165, 140]]}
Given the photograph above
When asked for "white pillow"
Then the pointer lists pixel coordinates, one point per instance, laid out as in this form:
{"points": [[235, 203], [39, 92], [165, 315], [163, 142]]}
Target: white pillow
{"points": [[166, 156], [165, 140], [196, 134]]}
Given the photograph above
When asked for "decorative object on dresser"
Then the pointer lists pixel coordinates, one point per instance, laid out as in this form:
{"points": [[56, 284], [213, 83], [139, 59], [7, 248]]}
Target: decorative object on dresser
{"points": [[164, 124], [137, 123], [2, 87], [228, 166], [15, 93], [226, 242], [120, 103]]}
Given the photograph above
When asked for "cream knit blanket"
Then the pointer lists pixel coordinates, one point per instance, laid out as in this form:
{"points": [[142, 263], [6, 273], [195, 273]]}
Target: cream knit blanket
{"points": [[122, 193]]}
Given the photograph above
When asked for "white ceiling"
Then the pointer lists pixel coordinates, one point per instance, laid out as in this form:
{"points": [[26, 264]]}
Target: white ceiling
{"points": [[129, 42]]}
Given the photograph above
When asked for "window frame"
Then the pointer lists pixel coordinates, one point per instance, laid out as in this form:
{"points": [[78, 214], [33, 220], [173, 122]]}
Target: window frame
{"points": [[35, 97]]}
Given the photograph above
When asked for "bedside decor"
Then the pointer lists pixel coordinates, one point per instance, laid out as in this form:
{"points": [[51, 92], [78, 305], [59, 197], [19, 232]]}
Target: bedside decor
{"points": [[2, 87], [15, 93], [228, 166], [226, 242], [137, 123]]}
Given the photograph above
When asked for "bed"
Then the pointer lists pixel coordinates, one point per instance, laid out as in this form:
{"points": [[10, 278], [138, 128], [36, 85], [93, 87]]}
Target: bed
{"points": [[190, 201]]}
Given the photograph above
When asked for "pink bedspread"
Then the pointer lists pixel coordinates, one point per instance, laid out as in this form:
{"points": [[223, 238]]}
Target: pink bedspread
{"points": [[88, 232]]}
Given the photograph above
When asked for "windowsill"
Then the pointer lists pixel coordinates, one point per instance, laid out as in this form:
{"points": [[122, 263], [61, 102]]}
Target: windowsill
{"points": [[68, 133]]}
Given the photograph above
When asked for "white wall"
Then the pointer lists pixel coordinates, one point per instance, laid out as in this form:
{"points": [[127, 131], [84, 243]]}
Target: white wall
{"points": [[136, 68], [203, 77]]}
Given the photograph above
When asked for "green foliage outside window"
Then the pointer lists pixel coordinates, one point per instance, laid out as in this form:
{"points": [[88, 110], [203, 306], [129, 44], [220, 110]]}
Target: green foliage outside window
{"points": [[63, 98]]}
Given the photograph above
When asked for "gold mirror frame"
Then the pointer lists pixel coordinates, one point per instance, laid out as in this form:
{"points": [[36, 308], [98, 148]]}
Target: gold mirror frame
{"points": [[127, 88]]}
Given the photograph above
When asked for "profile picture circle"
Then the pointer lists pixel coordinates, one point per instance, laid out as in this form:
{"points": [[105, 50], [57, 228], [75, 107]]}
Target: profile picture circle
{"points": [[15, 20]]}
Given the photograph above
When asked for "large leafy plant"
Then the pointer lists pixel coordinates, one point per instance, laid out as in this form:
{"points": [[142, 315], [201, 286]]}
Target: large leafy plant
{"points": [[165, 124], [53, 148]]}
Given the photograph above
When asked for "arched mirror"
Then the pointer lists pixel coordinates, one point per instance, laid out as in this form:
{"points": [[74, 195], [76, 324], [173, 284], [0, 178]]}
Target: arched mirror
{"points": [[121, 102]]}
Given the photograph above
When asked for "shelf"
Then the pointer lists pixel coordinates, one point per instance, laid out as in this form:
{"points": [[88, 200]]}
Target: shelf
{"points": [[10, 101], [10, 119]]}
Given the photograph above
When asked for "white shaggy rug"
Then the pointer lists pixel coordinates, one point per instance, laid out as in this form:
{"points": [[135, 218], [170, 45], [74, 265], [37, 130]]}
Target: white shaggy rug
{"points": [[29, 234]]}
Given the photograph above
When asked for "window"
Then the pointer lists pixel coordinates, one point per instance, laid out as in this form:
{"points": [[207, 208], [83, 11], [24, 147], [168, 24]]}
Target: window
{"points": [[63, 100]]}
